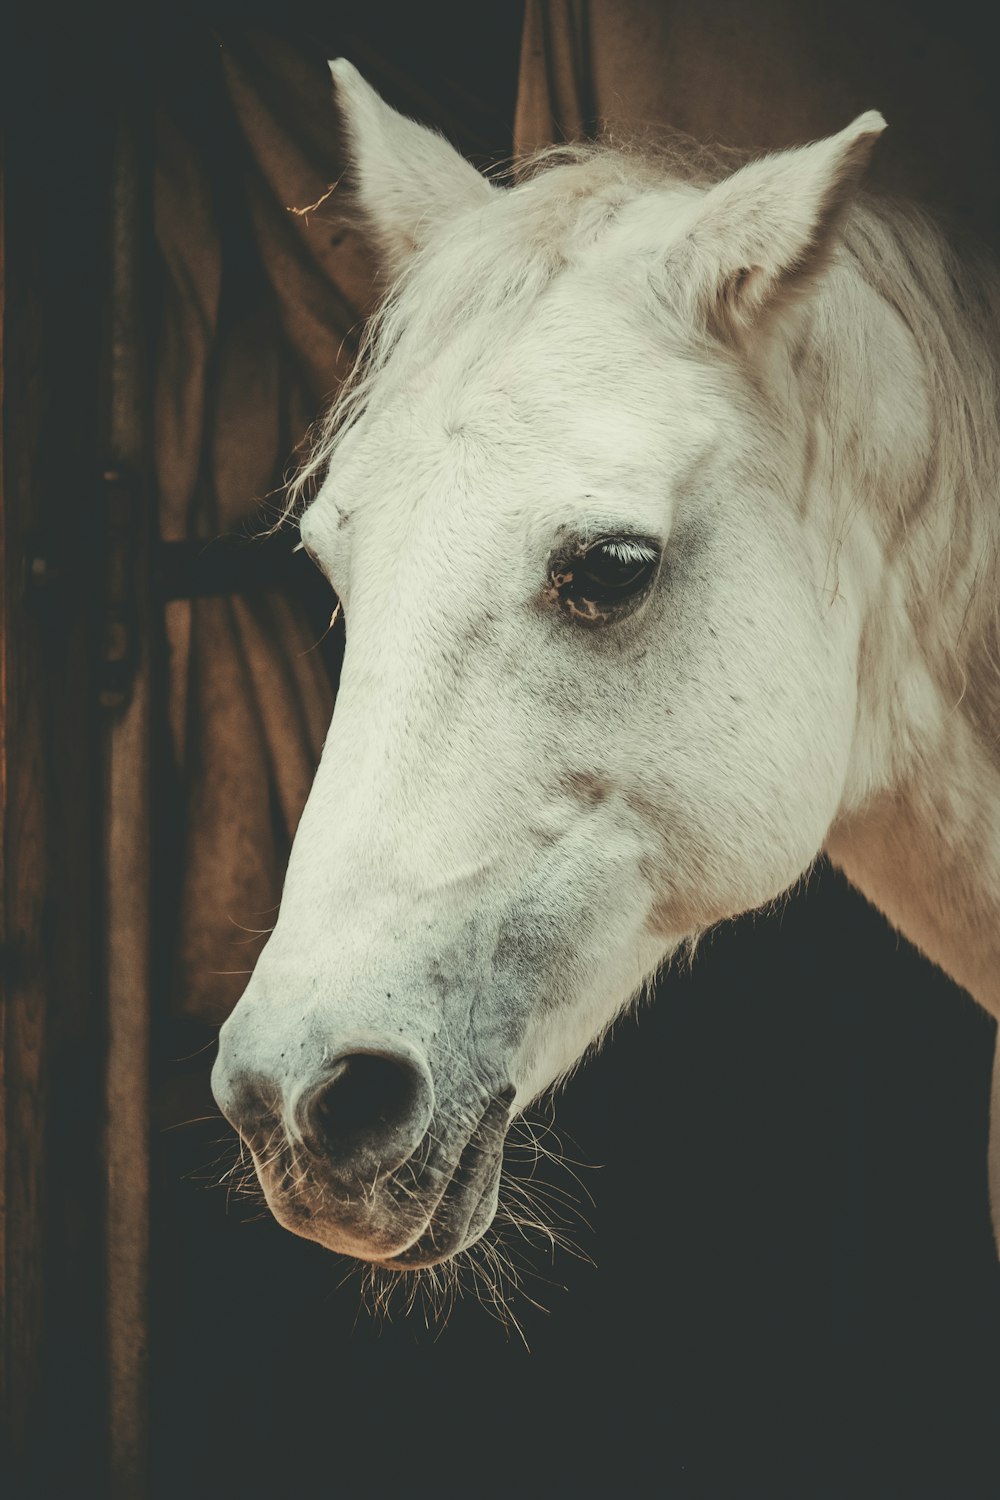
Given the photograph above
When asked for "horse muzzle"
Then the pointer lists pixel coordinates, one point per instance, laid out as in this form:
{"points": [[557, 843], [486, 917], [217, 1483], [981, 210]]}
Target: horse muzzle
{"points": [[357, 1156]]}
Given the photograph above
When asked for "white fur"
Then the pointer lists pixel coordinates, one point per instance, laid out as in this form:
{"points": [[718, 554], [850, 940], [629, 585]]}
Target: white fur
{"points": [[516, 818], [407, 181]]}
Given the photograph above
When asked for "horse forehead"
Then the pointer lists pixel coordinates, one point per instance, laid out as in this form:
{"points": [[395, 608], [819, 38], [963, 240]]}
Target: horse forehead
{"points": [[564, 403], [507, 426], [468, 489]]}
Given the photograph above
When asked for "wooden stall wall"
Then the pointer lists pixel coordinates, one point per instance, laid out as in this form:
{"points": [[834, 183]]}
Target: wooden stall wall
{"points": [[58, 123]]}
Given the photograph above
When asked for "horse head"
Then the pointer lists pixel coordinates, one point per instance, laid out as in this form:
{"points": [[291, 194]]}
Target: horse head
{"points": [[600, 688]]}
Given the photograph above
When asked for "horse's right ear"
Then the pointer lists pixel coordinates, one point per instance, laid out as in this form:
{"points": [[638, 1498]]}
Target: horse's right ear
{"points": [[762, 236], [407, 180]]}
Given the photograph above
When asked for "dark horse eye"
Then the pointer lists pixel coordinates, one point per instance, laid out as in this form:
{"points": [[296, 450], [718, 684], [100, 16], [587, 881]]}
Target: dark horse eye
{"points": [[596, 580]]}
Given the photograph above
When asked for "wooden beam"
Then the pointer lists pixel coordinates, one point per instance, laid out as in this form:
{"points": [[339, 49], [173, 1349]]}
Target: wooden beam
{"points": [[51, 1032], [126, 699]]}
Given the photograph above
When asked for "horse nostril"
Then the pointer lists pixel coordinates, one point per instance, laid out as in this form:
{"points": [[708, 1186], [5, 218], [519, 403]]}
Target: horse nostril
{"points": [[372, 1108]]}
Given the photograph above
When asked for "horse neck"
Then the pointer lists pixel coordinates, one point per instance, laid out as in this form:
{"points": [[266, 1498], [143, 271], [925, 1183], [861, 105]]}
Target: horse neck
{"points": [[909, 397]]}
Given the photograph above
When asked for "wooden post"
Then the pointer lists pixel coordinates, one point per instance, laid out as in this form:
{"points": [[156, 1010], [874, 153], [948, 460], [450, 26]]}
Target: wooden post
{"points": [[125, 697], [51, 1009]]}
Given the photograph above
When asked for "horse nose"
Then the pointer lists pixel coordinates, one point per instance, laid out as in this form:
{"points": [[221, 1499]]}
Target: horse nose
{"points": [[369, 1110]]}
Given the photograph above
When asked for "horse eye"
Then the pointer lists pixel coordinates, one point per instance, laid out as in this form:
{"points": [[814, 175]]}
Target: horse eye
{"points": [[597, 580], [613, 569]]}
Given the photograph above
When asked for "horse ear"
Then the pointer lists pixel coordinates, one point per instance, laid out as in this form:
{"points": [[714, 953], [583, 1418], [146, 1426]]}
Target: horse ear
{"points": [[408, 180], [762, 235]]}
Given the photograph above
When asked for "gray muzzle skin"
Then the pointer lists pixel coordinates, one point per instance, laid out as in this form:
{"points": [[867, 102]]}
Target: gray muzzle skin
{"points": [[354, 1150]]}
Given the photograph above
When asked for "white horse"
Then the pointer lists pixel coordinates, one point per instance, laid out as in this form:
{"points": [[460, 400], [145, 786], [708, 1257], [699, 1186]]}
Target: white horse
{"points": [[663, 515]]}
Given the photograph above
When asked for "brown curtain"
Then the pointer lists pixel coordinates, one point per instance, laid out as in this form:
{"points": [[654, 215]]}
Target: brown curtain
{"points": [[260, 308]]}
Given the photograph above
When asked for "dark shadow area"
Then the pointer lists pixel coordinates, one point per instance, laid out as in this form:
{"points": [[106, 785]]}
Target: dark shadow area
{"points": [[794, 1290]]}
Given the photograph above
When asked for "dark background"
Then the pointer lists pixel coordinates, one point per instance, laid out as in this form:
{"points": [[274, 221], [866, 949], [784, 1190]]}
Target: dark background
{"points": [[794, 1292], [794, 1289]]}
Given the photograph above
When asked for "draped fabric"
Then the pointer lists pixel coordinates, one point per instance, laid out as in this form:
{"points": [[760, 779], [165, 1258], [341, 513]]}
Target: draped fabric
{"points": [[258, 319]]}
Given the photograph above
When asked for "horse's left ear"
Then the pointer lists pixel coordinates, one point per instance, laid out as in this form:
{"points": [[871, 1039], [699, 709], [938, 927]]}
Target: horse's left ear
{"points": [[407, 179], [762, 235]]}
